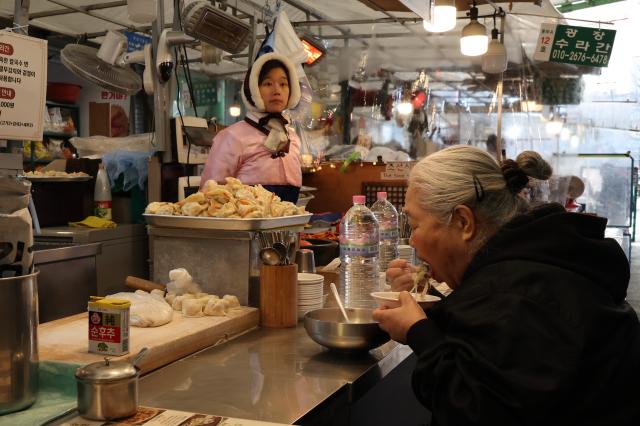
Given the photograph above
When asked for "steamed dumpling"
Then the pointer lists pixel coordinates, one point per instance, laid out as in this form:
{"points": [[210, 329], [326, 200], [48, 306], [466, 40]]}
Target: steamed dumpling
{"points": [[192, 308], [216, 308], [232, 301], [177, 302], [192, 209], [169, 298]]}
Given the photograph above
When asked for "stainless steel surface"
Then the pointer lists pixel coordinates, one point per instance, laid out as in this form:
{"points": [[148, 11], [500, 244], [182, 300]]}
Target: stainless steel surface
{"points": [[126, 246], [229, 224], [275, 375], [18, 342], [109, 400], [282, 251], [222, 262], [305, 261], [67, 278], [108, 389], [106, 371], [138, 358], [47, 253], [326, 327], [270, 256], [58, 178]]}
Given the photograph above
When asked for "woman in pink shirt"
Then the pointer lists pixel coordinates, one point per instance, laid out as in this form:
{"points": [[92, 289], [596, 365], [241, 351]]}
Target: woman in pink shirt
{"points": [[262, 149]]}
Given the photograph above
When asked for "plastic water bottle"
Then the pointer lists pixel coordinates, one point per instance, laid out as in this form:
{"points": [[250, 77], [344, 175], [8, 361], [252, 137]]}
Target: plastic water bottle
{"points": [[387, 216], [359, 245], [102, 194]]}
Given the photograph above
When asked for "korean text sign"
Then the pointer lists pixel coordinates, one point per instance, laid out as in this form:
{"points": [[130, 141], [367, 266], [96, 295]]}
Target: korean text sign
{"points": [[23, 74], [575, 45]]}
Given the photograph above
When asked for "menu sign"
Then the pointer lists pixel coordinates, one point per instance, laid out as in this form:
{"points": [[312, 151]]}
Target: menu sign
{"points": [[574, 45], [397, 170], [23, 74]]}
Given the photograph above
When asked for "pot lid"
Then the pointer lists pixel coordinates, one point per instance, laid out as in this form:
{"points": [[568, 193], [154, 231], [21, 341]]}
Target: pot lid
{"points": [[106, 370]]}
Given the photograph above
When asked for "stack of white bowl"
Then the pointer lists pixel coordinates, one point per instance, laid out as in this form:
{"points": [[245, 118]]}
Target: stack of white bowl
{"points": [[407, 253], [310, 287]]}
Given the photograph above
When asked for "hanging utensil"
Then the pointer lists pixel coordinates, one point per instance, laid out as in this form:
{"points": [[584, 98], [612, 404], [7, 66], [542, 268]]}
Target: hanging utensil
{"points": [[282, 251], [270, 256]]}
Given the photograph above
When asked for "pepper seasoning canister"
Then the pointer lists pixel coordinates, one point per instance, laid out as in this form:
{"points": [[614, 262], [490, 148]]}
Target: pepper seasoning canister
{"points": [[108, 326]]}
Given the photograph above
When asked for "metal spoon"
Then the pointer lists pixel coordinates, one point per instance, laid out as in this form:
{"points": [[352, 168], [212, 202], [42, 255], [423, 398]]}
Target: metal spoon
{"points": [[334, 290], [291, 252], [282, 251], [138, 357], [270, 256]]}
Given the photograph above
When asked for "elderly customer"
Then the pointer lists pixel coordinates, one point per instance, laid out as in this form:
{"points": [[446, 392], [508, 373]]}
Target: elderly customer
{"points": [[537, 330]]}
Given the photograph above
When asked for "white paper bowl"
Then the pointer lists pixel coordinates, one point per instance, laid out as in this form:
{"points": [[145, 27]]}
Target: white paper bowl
{"points": [[389, 299]]}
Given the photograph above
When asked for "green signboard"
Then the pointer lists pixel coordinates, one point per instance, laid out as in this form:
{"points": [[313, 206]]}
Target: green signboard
{"points": [[575, 45]]}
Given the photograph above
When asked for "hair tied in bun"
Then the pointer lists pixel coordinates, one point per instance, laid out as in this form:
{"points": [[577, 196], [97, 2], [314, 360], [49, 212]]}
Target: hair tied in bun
{"points": [[514, 176]]}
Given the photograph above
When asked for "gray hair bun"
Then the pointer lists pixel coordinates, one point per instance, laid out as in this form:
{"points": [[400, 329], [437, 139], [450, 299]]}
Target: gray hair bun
{"points": [[514, 176], [534, 165]]}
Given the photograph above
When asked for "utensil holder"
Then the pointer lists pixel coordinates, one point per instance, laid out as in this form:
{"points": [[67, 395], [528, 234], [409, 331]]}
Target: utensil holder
{"points": [[279, 296]]}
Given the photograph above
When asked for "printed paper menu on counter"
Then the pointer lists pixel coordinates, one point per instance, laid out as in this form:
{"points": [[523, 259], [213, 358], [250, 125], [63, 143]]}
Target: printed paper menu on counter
{"points": [[147, 416]]}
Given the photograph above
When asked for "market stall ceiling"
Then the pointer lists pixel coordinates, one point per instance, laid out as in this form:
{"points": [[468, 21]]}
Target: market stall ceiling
{"points": [[398, 47]]}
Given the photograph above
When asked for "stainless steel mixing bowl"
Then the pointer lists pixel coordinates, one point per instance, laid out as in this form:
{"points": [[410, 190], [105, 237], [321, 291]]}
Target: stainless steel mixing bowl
{"points": [[328, 328]]}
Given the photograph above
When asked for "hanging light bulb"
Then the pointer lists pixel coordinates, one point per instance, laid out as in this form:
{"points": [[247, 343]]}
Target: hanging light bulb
{"points": [[405, 108], [474, 40], [235, 110], [554, 127], [495, 60], [443, 17]]}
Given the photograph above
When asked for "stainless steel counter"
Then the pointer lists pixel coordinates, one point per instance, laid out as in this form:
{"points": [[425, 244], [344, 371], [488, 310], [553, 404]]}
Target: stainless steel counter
{"points": [[276, 375]]}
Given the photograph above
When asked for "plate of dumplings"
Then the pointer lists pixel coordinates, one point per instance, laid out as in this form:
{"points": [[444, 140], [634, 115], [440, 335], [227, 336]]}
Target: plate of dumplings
{"points": [[232, 206]]}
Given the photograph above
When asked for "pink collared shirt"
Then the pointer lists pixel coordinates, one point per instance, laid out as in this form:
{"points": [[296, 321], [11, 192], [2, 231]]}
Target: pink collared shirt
{"points": [[238, 152]]}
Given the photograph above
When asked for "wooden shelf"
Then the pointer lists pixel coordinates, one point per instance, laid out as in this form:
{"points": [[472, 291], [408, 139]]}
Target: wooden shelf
{"points": [[59, 134]]}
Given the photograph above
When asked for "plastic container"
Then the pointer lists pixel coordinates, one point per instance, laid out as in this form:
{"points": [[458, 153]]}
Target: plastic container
{"points": [[63, 92], [102, 194], [387, 216], [141, 11], [359, 246]]}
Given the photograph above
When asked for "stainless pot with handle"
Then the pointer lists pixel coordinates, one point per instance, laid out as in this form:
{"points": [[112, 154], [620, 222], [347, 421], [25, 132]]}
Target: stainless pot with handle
{"points": [[18, 342], [108, 390]]}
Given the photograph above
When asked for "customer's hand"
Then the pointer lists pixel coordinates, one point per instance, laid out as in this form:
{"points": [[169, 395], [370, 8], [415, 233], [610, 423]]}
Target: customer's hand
{"points": [[398, 321], [400, 275]]}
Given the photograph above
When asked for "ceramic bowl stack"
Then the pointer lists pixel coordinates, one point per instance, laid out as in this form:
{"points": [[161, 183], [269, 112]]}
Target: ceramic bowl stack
{"points": [[407, 253], [310, 287]]}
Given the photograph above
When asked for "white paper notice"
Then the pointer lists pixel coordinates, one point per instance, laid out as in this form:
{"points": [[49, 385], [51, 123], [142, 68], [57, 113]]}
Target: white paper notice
{"points": [[23, 74], [397, 170]]}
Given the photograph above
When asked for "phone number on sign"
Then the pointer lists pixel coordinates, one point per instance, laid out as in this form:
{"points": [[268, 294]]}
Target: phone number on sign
{"points": [[15, 123], [580, 57]]}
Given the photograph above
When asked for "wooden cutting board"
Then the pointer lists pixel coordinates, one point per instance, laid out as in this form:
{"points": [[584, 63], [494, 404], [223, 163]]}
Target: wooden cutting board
{"points": [[66, 339]]}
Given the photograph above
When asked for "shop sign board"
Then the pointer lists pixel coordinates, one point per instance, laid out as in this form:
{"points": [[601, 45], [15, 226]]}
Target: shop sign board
{"points": [[23, 75], [569, 44], [397, 170]]}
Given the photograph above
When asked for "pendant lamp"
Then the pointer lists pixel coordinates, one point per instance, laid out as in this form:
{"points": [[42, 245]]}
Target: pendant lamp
{"points": [[494, 61], [443, 17], [474, 40]]}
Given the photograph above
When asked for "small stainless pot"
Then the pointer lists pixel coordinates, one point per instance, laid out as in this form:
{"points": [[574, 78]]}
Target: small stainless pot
{"points": [[108, 390]]}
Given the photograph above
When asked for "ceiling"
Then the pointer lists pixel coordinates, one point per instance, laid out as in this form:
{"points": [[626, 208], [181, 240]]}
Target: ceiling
{"points": [[402, 48]]}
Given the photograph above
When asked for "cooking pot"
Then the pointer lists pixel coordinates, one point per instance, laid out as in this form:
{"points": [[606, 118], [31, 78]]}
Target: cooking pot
{"points": [[18, 342], [108, 390]]}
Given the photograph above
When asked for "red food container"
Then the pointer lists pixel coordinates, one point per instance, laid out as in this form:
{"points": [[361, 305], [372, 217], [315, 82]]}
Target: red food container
{"points": [[63, 92]]}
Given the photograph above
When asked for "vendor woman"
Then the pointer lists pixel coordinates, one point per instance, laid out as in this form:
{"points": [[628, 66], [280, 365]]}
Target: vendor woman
{"points": [[262, 149]]}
